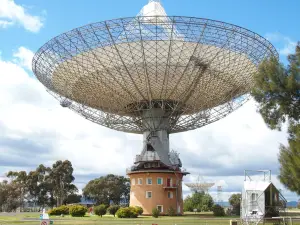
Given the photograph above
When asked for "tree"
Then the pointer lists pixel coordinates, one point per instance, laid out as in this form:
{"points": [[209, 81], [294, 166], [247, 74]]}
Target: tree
{"points": [[289, 159], [72, 198], [33, 186], [207, 202], [235, 202], [218, 210], [188, 204], [9, 196], [277, 90], [60, 180], [19, 180], [45, 187], [3, 195], [106, 188], [199, 201]]}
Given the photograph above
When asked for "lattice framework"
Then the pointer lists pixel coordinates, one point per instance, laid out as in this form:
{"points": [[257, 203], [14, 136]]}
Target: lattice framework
{"points": [[195, 70]]}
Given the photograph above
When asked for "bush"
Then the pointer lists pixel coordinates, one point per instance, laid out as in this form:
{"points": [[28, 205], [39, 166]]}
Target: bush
{"points": [[218, 210], [100, 210], [77, 210], [133, 212], [139, 210], [127, 212], [113, 209], [204, 208], [171, 211], [61, 210], [229, 212], [155, 212]]}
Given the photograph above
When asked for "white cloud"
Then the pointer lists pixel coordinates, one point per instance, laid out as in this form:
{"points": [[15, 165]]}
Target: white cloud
{"points": [[288, 48], [33, 124], [24, 57], [285, 44], [11, 13], [5, 24], [29, 113]]}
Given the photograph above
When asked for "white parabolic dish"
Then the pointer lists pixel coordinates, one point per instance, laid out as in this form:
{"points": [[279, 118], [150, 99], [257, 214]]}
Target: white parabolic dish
{"points": [[184, 71]]}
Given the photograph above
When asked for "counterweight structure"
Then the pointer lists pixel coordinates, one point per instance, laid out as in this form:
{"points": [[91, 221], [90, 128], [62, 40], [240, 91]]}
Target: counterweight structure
{"points": [[154, 75]]}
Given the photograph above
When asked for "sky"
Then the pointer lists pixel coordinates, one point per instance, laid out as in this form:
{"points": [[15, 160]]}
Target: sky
{"points": [[34, 129]]}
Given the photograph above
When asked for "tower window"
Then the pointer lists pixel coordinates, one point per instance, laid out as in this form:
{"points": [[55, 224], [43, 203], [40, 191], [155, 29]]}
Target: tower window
{"points": [[140, 181], [159, 180], [148, 194], [149, 180], [160, 208], [133, 181], [170, 194]]}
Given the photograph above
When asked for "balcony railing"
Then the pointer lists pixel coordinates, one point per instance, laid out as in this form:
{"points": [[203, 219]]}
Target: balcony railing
{"points": [[170, 186]]}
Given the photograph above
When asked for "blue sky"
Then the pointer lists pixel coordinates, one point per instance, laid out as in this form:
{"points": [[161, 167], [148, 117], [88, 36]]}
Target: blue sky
{"points": [[262, 17], [34, 129]]}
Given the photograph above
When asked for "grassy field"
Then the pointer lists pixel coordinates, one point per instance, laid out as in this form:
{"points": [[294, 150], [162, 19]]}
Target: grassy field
{"points": [[187, 219]]}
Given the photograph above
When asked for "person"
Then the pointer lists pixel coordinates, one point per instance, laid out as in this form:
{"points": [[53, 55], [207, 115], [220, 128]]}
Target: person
{"points": [[91, 211]]}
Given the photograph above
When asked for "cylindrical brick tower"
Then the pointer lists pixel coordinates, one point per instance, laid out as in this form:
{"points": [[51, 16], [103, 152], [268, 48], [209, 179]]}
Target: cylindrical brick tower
{"points": [[161, 189]]}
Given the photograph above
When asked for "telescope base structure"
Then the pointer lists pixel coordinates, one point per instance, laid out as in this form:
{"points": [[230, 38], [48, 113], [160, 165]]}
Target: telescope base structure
{"points": [[161, 189]]}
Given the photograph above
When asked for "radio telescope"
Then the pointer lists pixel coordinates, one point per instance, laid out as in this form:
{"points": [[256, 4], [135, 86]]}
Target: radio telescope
{"points": [[155, 75], [200, 185]]}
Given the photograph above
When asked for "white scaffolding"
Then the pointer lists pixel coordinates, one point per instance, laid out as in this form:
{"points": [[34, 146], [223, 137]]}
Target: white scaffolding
{"points": [[260, 198]]}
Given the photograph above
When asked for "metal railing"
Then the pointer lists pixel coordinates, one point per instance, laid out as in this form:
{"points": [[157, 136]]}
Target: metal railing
{"points": [[147, 158]]}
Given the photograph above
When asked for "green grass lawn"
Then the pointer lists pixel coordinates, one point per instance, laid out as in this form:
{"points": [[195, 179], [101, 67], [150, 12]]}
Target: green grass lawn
{"points": [[187, 219]]}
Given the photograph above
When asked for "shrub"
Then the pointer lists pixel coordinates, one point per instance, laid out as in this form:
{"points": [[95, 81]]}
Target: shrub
{"points": [[229, 212], [133, 212], [139, 210], [155, 212], [100, 210], [127, 212], [171, 211], [205, 208], [122, 213], [113, 209], [77, 210], [64, 209], [61, 210], [218, 210]]}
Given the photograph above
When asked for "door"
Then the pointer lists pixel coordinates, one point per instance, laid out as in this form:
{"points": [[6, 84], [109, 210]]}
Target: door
{"points": [[160, 208], [168, 182]]}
